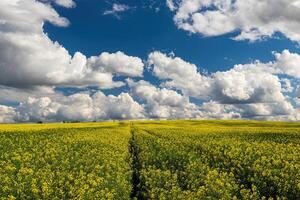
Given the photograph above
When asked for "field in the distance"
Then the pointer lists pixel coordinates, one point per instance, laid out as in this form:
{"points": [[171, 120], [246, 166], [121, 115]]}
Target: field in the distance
{"points": [[151, 160]]}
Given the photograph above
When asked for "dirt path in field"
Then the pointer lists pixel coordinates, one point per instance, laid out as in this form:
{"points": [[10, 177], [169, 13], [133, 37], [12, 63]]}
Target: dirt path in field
{"points": [[134, 150]]}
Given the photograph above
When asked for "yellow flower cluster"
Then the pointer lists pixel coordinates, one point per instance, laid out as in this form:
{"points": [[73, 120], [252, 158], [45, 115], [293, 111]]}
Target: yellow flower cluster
{"points": [[151, 160], [219, 160], [64, 162]]}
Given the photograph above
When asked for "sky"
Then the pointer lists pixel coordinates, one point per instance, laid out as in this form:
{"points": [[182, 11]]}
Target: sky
{"points": [[69, 60]]}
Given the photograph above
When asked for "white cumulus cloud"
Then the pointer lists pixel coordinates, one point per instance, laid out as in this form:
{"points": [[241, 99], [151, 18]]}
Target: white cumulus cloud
{"points": [[66, 3], [7, 114], [179, 74], [164, 103], [249, 83], [33, 68], [79, 106], [28, 57], [252, 90], [253, 19]]}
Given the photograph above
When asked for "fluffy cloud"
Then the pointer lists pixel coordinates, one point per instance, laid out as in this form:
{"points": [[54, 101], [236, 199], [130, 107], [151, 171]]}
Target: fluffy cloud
{"points": [[179, 73], [250, 83], [32, 67], [118, 107], [260, 111], [161, 103], [288, 63], [29, 58], [65, 3], [36, 109], [97, 70], [255, 19], [214, 110], [164, 103], [117, 63], [245, 84], [7, 114], [246, 91], [80, 106], [16, 95]]}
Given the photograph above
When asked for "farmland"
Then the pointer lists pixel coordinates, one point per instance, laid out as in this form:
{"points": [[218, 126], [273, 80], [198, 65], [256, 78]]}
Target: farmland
{"points": [[151, 160]]}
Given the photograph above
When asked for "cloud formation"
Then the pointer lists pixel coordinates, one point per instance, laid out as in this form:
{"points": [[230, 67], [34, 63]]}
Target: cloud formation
{"points": [[80, 106], [33, 66], [16, 95], [163, 103], [63, 3], [249, 83], [178, 74], [253, 19], [31, 59], [66, 3], [116, 9], [252, 90], [8, 114]]}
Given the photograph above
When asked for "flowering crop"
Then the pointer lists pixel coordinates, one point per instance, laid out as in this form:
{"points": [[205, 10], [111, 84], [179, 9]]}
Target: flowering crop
{"points": [[219, 160], [65, 163], [151, 160]]}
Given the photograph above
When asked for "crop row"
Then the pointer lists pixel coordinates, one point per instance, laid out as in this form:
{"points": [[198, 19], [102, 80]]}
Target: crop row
{"points": [[81, 163], [151, 160], [186, 163]]}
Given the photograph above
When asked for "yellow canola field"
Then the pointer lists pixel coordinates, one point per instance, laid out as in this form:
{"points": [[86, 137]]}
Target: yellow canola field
{"points": [[51, 162], [179, 159]]}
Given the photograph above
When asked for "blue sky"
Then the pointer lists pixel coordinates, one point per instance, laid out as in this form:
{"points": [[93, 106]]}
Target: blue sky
{"points": [[141, 30], [175, 36]]}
